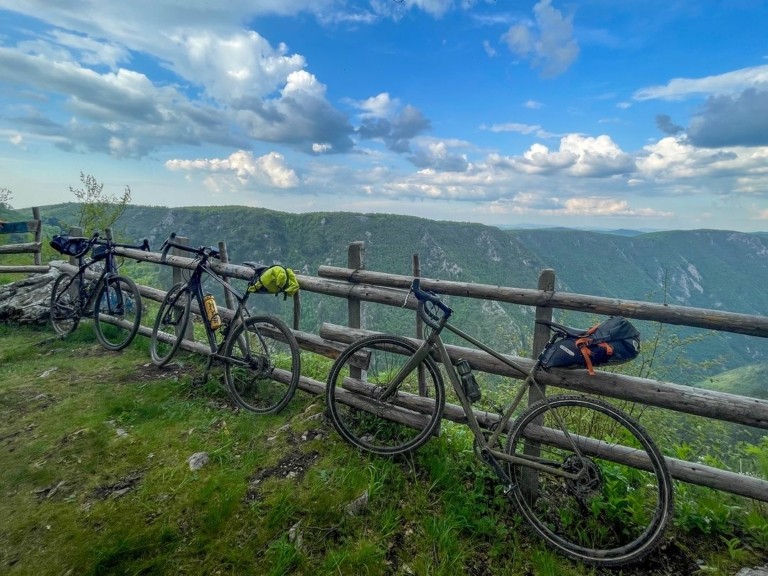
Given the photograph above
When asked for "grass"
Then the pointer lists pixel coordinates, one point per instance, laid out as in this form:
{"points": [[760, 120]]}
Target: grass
{"points": [[95, 480]]}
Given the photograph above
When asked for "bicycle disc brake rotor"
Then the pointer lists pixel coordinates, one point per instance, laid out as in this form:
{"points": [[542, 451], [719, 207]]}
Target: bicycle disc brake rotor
{"points": [[590, 479], [260, 364]]}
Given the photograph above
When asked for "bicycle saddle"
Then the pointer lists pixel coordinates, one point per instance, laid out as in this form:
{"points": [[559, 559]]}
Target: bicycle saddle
{"points": [[567, 330]]}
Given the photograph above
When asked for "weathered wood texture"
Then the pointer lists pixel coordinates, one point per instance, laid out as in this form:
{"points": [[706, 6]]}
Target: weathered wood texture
{"points": [[688, 316], [33, 227], [708, 403], [31, 269]]}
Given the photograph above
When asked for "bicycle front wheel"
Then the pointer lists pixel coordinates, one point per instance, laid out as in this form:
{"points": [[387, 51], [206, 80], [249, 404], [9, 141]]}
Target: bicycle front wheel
{"points": [[262, 364], [65, 304], [614, 504], [372, 417], [117, 312], [170, 324]]}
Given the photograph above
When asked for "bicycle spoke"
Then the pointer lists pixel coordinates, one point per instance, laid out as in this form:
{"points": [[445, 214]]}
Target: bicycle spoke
{"points": [[170, 325], [614, 506], [262, 364], [371, 414], [117, 312], [65, 305]]}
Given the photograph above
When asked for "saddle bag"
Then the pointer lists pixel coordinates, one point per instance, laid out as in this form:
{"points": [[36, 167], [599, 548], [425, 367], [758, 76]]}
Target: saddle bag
{"points": [[613, 341]]}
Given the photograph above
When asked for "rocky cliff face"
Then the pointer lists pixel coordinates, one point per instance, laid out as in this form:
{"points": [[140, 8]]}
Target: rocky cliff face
{"points": [[27, 301]]}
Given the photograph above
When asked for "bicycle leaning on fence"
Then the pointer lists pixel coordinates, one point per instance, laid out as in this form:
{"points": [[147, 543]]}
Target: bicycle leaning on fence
{"points": [[584, 474], [112, 300], [260, 353]]}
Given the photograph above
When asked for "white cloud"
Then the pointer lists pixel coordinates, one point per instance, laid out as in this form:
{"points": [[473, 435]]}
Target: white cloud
{"points": [[578, 155], [513, 127], [550, 45], [234, 67], [728, 83], [379, 106], [674, 158], [269, 169]]}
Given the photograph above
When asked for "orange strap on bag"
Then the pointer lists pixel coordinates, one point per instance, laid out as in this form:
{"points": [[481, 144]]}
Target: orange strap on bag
{"points": [[583, 344]]}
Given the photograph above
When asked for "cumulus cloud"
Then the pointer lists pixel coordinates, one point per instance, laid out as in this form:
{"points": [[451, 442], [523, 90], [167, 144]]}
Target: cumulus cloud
{"points": [[734, 114], [233, 68], [548, 43], [269, 169], [384, 118], [676, 158], [738, 120], [438, 155], [578, 155], [530, 203]]}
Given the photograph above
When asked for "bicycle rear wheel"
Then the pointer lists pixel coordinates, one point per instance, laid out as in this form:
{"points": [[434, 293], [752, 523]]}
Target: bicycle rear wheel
{"points": [[65, 304], [402, 421], [170, 324], [117, 312], [262, 364], [616, 508]]}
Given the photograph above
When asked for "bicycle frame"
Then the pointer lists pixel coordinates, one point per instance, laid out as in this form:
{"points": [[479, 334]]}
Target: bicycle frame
{"points": [[195, 284], [109, 270], [487, 450]]}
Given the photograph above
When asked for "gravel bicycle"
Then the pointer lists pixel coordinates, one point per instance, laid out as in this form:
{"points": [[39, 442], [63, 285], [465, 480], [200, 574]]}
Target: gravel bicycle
{"points": [[112, 300], [260, 353], [584, 474]]}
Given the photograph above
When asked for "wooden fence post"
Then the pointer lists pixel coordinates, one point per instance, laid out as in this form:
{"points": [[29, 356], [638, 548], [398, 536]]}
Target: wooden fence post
{"points": [[355, 255], [529, 481], [74, 231], [229, 301], [38, 236], [419, 329], [541, 333], [178, 277]]}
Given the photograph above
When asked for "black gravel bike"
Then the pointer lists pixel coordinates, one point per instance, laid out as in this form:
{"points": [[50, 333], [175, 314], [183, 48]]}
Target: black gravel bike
{"points": [[113, 300], [584, 474], [260, 354]]}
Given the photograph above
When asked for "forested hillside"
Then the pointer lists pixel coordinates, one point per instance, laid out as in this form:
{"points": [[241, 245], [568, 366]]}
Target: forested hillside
{"points": [[703, 268]]}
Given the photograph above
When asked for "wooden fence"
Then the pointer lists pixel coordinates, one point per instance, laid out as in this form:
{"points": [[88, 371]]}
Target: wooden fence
{"points": [[357, 285], [33, 227]]}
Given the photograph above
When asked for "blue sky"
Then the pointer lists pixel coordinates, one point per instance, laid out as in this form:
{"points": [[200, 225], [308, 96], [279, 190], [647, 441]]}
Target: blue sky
{"points": [[596, 113]]}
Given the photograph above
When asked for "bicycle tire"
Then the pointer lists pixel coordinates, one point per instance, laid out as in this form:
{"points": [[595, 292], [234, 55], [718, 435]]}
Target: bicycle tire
{"points": [[262, 364], [65, 304], [171, 321], [614, 513], [398, 424], [118, 298]]}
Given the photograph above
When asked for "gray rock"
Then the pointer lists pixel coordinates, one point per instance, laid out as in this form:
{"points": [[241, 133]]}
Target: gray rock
{"points": [[198, 460]]}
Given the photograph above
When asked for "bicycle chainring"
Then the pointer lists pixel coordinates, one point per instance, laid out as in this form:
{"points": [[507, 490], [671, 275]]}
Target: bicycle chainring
{"points": [[590, 479]]}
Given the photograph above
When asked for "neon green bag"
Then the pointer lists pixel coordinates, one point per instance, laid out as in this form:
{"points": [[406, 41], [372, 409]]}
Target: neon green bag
{"points": [[275, 280]]}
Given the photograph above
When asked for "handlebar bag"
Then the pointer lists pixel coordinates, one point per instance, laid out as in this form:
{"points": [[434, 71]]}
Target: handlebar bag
{"points": [[63, 244]]}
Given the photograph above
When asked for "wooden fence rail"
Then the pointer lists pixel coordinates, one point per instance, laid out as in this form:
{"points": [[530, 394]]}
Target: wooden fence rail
{"points": [[357, 285], [33, 227]]}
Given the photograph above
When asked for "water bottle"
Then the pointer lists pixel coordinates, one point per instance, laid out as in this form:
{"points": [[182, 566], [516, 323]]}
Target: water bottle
{"points": [[468, 382], [211, 311]]}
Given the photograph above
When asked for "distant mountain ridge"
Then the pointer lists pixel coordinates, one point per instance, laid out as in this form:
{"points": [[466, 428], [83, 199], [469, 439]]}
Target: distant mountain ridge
{"points": [[722, 270]]}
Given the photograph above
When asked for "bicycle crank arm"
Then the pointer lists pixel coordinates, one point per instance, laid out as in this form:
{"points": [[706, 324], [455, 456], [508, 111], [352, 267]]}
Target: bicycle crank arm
{"points": [[491, 460]]}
